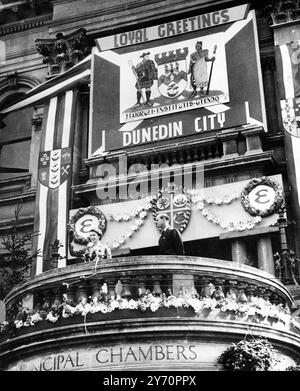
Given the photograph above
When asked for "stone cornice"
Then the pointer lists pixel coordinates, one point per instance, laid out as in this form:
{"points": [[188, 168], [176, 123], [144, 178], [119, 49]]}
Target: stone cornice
{"points": [[259, 159], [24, 25], [153, 328], [24, 222], [26, 196], [130, 14]]}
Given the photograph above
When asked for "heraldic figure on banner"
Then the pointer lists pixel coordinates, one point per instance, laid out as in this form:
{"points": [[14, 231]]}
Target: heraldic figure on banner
{"points": [[145, 73], [96, 250], [198, 69]]}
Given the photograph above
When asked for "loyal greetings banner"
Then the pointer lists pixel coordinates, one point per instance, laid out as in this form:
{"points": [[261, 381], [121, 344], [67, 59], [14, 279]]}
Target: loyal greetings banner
{"points": [[173, 78], [183, 85]]}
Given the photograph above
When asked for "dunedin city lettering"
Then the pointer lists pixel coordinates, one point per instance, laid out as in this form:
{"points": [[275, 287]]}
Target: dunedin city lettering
{"points": [[172, 130]]}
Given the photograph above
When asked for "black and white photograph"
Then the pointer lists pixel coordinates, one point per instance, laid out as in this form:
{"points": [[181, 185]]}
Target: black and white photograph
{"points": [[149, 201]]}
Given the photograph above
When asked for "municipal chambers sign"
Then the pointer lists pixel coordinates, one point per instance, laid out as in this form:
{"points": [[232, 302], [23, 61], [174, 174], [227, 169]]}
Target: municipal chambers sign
{"points": [[144, 355]]}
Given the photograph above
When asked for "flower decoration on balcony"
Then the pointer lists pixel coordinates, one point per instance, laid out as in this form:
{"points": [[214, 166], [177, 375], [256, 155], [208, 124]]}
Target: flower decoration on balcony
{"points": [[254, 309], [255, 354], [262, 197]]}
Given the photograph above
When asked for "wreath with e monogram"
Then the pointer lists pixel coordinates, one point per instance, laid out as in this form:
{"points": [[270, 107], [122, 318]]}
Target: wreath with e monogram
{"points": [[261, 197], [91, 210]]}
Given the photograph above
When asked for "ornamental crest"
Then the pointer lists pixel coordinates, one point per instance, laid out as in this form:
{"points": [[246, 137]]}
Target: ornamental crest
{"points": [[290, 112], [262, 197], [175, 202], [172, 72], [54, 167]]}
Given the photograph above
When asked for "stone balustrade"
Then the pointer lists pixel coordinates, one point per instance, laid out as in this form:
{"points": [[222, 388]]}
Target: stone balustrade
{"points": [[130, 277], [202, 302]]}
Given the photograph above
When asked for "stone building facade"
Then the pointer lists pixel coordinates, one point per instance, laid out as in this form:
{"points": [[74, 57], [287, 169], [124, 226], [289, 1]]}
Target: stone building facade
{"points": [[67, 66]]}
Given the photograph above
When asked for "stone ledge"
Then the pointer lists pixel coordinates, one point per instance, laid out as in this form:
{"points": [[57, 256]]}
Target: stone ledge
{"points": [[255, 231]]}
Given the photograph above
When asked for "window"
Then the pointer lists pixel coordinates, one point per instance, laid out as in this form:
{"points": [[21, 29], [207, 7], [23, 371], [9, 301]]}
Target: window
{"points": [[15, 136]]}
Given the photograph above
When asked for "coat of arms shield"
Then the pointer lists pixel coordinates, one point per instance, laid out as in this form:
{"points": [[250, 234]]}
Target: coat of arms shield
{"points": [[290, 112], [172, 72], [175, 202], [54, 167]]}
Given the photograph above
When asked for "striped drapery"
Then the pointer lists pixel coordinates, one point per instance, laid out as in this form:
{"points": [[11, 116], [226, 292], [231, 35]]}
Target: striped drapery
{"points": [[288, 71], [54, 184]]}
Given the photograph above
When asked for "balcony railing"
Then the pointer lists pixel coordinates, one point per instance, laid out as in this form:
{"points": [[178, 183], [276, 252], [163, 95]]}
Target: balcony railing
{"points": [[131, 276]]}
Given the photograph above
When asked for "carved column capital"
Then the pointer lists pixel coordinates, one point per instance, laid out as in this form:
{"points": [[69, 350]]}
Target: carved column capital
{"points": [[283, 11], [64, 51]]}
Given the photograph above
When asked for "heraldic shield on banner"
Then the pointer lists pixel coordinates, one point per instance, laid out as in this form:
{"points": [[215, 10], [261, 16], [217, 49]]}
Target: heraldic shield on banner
{"points": [[290, 112], [55, 167], [174, 202], [172, 72]]}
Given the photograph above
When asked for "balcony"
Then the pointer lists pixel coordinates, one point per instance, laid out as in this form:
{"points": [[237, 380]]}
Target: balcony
{"points": [[156, 298]]}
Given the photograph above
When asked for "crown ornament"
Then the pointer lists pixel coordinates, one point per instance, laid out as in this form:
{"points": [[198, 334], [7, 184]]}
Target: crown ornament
{"points": [[171, 56]]}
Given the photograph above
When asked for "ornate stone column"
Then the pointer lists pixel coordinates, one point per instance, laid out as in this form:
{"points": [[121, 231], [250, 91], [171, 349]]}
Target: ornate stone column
{"points": [[265, 254], [239, 251]]}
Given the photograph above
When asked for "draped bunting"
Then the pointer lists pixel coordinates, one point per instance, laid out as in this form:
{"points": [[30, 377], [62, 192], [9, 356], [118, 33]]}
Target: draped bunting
{"points": [[288, 60], [53, 188]]}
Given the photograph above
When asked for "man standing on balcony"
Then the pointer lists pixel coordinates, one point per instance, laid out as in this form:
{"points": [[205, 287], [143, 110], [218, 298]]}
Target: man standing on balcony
{"points": [[170, 242]]}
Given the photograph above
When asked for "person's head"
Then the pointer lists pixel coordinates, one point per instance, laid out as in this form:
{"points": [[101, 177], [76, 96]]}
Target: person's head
{"points": [[95, 235], [198, 46], [162, 220], [145, 56]]}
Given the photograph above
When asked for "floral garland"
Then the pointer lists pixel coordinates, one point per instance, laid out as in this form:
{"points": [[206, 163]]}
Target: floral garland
{"points": [[254, 306], [228, 199], [230, 226], [140, 212], [139, 215]]}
